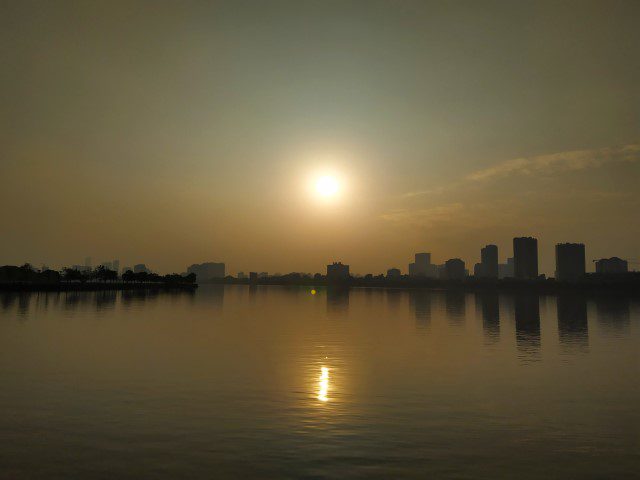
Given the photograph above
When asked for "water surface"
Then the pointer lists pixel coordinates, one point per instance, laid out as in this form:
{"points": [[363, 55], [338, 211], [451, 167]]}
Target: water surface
{"points": [[274, 382]]}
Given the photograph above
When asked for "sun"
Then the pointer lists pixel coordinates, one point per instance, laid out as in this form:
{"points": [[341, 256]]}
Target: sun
{"points": [[327, 186]]}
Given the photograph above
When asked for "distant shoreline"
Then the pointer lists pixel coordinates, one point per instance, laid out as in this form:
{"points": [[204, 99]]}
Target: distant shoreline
{"points": [[627, 284], [93, 286]]}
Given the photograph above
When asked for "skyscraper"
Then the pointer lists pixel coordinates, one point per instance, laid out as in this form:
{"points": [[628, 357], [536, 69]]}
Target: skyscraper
{"points": [[570, 261], [422, 266], [525, 256], [489, 261]]}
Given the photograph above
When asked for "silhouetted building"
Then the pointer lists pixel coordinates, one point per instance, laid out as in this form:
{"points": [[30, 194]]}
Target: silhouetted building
{"points": [[141, 268], [612, 265], [207, 270], [489, 262], [505, 270], [422, 266], [337, 271], [394, 273], [263, 275], [525, 256], [454, 269], [241, 275], [116, 265], [570, 262], [477, 270], [253, 277]]}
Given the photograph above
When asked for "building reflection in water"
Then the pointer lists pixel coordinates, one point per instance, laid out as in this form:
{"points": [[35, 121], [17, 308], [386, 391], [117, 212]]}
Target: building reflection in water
{"points": [[105, 299], [527, 316], [7, 301], [323, 385], [613, 313], [455, 305], [394, 298], [573, 327], [24, 300], [489, 305], [211, 296], [337, 301], [420, 302]]}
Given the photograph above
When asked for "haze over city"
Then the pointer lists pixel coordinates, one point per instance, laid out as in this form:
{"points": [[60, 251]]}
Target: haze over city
{"points": [[172, 135]]}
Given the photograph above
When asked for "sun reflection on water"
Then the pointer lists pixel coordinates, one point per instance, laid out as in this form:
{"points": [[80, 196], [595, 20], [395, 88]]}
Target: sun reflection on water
{"points": [[323, 385]]}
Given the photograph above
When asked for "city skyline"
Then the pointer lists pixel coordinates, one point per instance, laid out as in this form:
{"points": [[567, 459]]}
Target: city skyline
{"points": [[570, 262]]}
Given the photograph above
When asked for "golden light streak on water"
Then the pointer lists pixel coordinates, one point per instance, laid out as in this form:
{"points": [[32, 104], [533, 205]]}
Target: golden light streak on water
{"points": [[323, 385]]}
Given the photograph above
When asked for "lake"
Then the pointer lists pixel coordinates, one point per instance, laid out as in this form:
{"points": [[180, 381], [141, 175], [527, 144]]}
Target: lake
{"points": [[278, 382]]}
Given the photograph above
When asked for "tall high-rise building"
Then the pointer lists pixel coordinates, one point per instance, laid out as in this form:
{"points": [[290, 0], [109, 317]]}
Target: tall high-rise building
{"points": [[570, 261], [422, 266], [422, 259], [489, 261], [525, 257]]}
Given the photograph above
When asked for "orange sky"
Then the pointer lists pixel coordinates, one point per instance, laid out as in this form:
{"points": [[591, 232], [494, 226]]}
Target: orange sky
{"points": [[176, 134]]}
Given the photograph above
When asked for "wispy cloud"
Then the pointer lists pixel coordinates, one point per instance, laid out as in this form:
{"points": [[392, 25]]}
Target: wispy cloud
{"points": [[558, 162]]}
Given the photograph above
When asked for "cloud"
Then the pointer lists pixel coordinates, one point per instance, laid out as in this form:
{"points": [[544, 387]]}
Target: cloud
{"points": [[428, 216], [558, 162]]}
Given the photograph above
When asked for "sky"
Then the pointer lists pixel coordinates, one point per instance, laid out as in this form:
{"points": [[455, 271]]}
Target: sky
{"points": [[172, 133]]}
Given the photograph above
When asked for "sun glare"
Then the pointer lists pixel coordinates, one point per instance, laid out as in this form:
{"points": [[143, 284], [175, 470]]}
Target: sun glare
{"points": [[327, 186]]}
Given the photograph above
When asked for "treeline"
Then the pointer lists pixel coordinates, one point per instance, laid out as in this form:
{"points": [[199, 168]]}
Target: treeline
{"points": [[26, 274]]}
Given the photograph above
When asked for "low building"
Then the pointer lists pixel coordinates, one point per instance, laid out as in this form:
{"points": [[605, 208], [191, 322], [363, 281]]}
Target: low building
{"points": [[394, 273], [612, 265], [337, 271], [506, 270], [454, 269], [141, 268], [207, 270]]}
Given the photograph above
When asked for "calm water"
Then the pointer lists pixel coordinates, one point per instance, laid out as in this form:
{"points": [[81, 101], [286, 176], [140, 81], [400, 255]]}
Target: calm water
{"points": [[233, 382]]}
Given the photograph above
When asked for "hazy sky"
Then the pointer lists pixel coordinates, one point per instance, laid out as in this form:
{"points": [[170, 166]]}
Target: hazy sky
{"points": [[172, 133]]}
